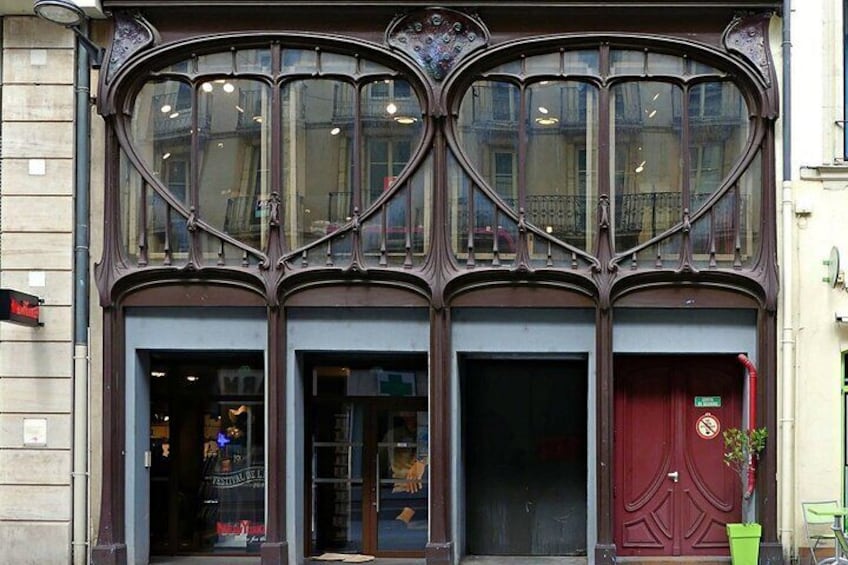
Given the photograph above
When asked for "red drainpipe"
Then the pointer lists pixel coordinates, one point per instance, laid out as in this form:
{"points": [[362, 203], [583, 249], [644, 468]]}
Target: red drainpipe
{"points": [[752, 418]]}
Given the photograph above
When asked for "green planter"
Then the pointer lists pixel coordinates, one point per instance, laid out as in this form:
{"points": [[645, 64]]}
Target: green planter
{"points": [[744, 543]]}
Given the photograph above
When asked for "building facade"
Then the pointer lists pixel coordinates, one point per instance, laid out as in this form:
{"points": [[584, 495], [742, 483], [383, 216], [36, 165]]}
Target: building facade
{"points": [[416, 281]]}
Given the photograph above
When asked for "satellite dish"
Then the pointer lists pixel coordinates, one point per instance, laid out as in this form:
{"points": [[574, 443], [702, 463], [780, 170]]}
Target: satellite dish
{"points": [[833, 274]]}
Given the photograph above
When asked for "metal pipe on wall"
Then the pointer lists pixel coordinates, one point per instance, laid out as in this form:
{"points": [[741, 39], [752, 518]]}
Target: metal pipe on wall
{"points": [[82, 178], [787, 340]]}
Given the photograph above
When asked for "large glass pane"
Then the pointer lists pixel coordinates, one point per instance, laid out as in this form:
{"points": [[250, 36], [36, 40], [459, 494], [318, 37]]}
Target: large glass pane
{"points": [[391, 129], [337, 477], [403, 480], [207, 443], [318, 135], [234, 142], [562, 160], [646, 160], [161, 133], [130, 190], [487, 128], [749, 211], [718, 131]]}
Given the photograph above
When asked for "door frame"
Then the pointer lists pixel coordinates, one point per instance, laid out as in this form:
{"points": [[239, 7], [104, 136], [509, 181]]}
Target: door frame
{"points": [[161, 329]]}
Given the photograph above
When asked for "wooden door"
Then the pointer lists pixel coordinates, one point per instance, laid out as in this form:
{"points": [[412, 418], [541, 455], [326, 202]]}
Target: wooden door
{"points": [[524, 444], [673, 493]]}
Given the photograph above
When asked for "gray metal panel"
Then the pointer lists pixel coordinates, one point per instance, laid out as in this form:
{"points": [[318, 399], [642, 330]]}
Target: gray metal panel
{"points": [[684, 331]]}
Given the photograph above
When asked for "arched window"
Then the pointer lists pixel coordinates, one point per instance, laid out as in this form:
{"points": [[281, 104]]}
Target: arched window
{"points": [[222, 146], [664, 139]]}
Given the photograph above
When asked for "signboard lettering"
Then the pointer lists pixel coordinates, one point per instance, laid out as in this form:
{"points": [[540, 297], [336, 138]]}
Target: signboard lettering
{"points": [[19, 308]]}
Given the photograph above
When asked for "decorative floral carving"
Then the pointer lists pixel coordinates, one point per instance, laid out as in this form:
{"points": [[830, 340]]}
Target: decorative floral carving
{"points": [[437, 38], [747, 36], [132, 34]]}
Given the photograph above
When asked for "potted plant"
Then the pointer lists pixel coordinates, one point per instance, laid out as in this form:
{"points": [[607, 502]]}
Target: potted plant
{"points": [[741, 449]]}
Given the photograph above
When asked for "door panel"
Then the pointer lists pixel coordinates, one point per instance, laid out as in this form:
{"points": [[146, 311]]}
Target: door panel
{"points": [[673, 493], [524, 428]]}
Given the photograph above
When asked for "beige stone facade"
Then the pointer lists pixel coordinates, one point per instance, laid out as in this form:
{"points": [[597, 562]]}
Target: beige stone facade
{"points": [[36, 238]]}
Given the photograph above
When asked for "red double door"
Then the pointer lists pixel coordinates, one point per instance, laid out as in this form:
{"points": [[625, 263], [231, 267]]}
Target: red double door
{"points": [[673, 493]]}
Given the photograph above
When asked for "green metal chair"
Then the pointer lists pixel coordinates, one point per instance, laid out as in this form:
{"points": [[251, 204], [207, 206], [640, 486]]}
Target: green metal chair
{"points": [[817, 527]]}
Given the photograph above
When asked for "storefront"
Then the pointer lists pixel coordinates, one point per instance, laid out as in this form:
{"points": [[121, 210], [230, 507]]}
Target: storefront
{"points": [[434, 284]]}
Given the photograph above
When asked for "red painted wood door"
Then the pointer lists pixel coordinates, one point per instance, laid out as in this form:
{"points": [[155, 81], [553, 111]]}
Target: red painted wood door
{"points": [[673, 493]]}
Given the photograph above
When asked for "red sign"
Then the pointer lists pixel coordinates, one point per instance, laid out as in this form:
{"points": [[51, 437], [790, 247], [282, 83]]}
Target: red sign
{"points": [[19, 308]]}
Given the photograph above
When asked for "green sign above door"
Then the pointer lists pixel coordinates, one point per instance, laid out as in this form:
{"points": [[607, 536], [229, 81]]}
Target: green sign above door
{"points": [[708, 402]]}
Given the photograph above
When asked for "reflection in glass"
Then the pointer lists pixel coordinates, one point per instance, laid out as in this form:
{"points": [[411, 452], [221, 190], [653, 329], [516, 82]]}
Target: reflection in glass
{"points": [[562, 160], [581, 62], [161, 132], [646, 162], [627, 62], [718, 131], [318, 133], [129, 187], [391, 130], [487, 128], [234, 160], [207, 442], [299, 61], [253, 61], [749, 210]]}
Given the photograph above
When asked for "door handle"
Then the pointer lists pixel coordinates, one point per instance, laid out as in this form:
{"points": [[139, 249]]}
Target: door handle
{"points": [[674, 476]]}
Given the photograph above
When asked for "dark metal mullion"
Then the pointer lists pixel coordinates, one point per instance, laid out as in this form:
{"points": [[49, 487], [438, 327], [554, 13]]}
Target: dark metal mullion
{"points": [[357, 149], [522, 147], [409, 227], [194, 175], [686, 189], [277, 140], [469, 260], [142, 226], [604, 135]]}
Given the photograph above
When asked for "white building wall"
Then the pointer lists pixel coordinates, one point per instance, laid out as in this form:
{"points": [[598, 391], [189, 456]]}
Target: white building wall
{"points": [[819, 204], [36, 242]]}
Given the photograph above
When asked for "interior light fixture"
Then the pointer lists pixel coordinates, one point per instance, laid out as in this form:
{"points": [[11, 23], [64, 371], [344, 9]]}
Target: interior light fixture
{"points": [[258, 119], [206, 87], [543, 110], [405, 120], [239, 109], [66, 13], [192, 378], [166, 156], [547, 120], [335, 131], [641, 167], [173, 115], [652, 113], [228, 87], [165, 108], [391, 109], [657, 95]]}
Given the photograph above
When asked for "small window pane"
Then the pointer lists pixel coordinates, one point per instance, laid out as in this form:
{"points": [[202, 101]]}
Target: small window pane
{"points": [[512, 68], [215, 63], [581, 62], [299, 61], [660, 64], [253, 61], [335, 63], [627, 62], [543, 64]]}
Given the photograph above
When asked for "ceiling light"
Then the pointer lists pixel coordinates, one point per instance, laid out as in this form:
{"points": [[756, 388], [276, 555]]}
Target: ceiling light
{"points": [[206, 87], [405, 120], [257, 119], [641, 167], [652, 114], [543, 110], [657, 95], [391, 108], [157, 374], [549, 229], [166, 156], [335, 131], [239, 108], [174, 115], [220, 144], [165, 108], [192, 378], [547, 121], [228, 87]]}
